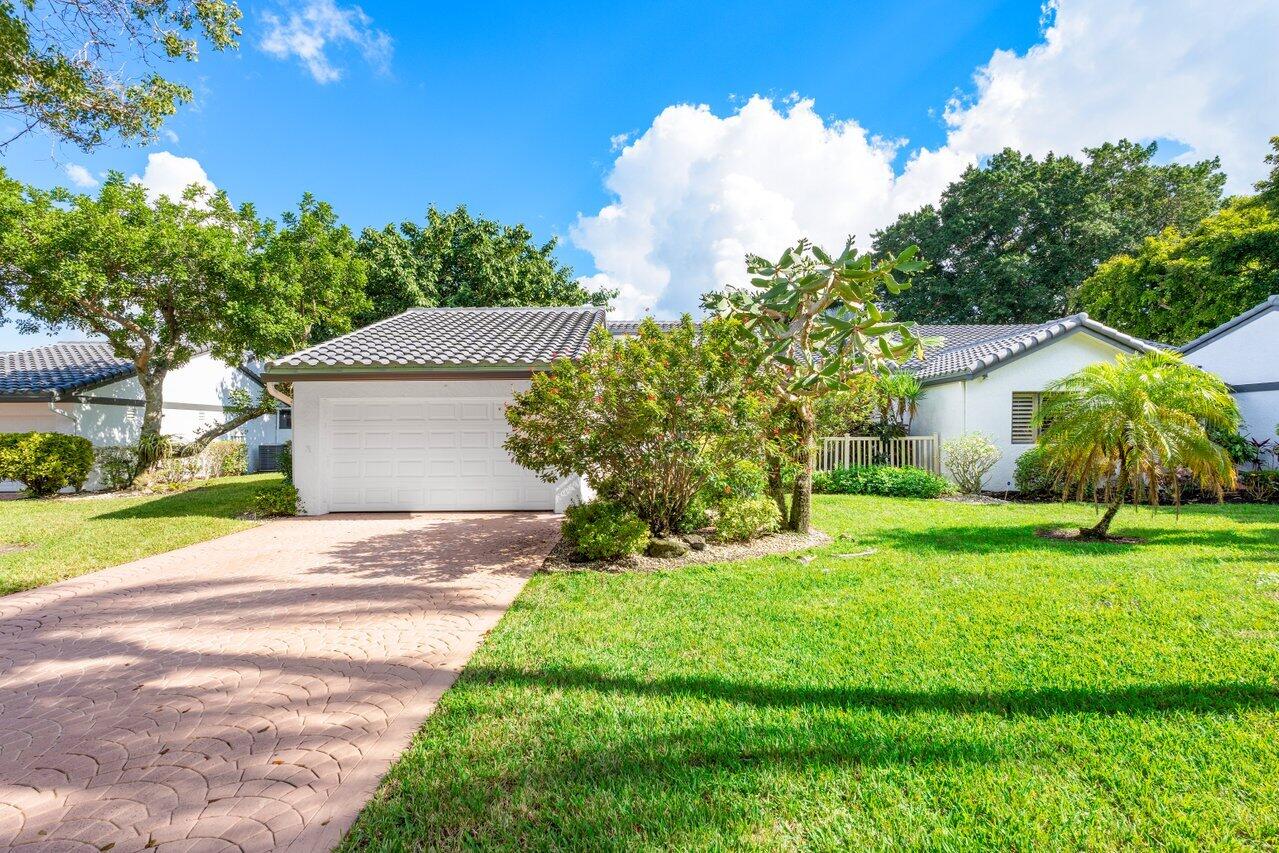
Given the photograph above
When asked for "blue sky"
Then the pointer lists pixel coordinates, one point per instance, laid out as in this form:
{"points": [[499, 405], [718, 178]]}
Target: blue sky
{"points": [[517, 110]]}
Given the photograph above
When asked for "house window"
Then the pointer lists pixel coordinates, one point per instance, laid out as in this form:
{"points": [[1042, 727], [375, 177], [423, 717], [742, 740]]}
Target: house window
{"points": [[284, 419], [130, 415], [1025, 406]]}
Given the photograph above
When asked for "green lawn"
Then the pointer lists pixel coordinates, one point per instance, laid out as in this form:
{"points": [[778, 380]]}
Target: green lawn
{"points": [[72, 537], [969, 686]]}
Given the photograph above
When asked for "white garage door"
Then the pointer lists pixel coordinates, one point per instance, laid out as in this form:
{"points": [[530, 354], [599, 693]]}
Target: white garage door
{"points": [[427, 454]]}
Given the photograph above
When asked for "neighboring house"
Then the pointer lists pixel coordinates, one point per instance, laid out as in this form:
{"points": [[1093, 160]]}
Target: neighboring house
{"points": [[82, 388], [1245, 353], [991, 379]]}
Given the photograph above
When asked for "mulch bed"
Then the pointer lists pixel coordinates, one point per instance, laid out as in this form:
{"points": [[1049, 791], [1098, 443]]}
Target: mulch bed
{"points": [[1076, 535], [559, 560]]}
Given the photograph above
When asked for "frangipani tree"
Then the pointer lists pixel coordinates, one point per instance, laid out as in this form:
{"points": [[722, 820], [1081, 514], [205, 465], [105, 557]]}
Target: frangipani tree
{"points": [[1134, 423], [818, 324]]}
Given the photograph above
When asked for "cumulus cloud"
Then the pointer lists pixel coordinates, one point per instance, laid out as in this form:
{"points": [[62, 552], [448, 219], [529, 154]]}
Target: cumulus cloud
{"points": [[695, 191], [80, 176], [169, 175], [315, 28]]}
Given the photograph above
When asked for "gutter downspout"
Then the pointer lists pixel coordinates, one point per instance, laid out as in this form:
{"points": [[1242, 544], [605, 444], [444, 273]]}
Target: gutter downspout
{"points": [[274, 391]]}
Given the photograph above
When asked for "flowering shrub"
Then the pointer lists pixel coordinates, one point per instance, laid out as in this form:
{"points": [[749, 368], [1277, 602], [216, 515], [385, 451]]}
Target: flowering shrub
{"points": [[646, 420], [969, 459]]}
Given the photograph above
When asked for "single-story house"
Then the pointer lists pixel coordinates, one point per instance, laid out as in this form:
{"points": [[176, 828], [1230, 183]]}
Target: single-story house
{"points": [[1245, 353], [409, 412], [83, 388], [991, 378]]}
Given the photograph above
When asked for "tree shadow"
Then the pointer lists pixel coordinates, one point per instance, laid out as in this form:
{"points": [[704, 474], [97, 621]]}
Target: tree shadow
{"points": [[219, 500], [1132, 700]]}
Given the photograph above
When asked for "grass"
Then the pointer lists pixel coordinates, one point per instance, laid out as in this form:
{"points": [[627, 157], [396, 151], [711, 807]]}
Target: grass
{"points": [[63, 538], [969, 686]]}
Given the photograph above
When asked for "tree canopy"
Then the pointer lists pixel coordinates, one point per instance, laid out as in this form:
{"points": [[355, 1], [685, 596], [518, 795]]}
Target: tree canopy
{"points": [[456, 260], [65, 66], [162, 280], [1011, 240], [1177, 285]]}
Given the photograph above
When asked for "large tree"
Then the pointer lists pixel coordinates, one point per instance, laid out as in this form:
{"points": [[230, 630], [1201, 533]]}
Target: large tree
{"points": [[458, 261], [1177, 285], [162, 280], [818, 326], [83, 69], [1011, 240]]}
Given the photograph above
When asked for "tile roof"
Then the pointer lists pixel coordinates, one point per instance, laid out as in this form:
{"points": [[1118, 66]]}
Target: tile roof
{"points": [[619, 328], [967, 351], [59, 367], [1271, 304], [456, 337]]}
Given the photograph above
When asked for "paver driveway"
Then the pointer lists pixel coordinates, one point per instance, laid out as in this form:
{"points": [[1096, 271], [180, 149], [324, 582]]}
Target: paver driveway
{"points": [[244, 693]]}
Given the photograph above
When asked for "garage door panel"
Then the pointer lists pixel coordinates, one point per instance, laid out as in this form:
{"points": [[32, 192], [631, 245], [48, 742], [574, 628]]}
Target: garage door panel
{"points": [[426, 455]]}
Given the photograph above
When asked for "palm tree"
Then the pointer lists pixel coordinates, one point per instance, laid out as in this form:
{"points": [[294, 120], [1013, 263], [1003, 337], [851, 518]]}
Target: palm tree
{"points": [[1134, 423], [900, 395]]}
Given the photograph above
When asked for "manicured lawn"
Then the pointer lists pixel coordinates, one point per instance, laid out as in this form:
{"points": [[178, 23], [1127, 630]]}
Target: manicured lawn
{"points": [[69, 537], [969, 686]]}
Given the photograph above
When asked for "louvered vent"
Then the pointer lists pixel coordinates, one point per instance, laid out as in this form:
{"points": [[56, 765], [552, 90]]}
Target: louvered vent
{"points": [[1025, 403]]}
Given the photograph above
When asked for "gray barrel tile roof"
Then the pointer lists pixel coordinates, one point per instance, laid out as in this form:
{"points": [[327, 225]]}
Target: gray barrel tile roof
{"points": [[448, 337], [60, 367]]}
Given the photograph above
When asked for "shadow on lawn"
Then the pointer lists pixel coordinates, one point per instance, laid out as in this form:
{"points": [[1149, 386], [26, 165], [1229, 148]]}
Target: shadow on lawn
{"points": [[1005, 538], [1137, 700], [221, 500]]}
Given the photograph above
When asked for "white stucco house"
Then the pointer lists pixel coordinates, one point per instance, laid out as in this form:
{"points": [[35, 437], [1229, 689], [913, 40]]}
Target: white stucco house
{"points": [[409, 412], [1245, 353], [82, 388], [990, 379]]}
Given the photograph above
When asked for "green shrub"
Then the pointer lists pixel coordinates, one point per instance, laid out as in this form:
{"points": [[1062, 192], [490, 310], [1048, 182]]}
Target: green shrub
{"points": [[45, 462], [603, 530], [745, 518], [881, 480], [741, 479], [1031, 476], [970, 458], [115, 466], [226, 459], [277, 499], [286, 461], [696, 516]]}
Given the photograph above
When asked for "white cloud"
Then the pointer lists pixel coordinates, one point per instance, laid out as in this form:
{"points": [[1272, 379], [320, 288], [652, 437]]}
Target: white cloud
{"points": [[169, 135], [169, 175], [80, 176], [313, 30], [695, 191]]}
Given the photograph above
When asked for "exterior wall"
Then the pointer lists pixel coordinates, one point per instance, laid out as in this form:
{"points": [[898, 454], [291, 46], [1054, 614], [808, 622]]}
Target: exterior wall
{"points": [[1248, 355], [195, 397], [308, 399], [984, 404]]}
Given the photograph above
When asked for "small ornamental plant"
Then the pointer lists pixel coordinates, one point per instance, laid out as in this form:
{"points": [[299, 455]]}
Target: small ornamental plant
{"points": [[647, 421], [969, 459]]}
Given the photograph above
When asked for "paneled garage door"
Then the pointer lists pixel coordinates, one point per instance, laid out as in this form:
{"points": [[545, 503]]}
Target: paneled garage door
{"points": [[427, 454]]}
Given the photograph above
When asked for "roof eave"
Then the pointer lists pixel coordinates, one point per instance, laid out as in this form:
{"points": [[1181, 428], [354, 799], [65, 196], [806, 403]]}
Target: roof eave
{"points": [[1271, 304]]}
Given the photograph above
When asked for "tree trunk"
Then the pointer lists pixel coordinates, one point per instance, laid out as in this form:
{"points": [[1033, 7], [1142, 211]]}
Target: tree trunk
{"points": [[149, 440], [1102, 528], [776, 487], [196, 445], [801, 503]]}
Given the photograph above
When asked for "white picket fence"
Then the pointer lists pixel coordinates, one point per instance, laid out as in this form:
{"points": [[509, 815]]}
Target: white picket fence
{"points": [[847, 451]]}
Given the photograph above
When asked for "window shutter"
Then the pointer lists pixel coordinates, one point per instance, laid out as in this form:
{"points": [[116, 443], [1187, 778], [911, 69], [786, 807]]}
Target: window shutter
{"points": [[1024, 405]]}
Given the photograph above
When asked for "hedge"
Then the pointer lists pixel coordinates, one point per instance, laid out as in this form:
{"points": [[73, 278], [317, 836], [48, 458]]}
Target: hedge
{"points": [[45, 462], [881, 480]]}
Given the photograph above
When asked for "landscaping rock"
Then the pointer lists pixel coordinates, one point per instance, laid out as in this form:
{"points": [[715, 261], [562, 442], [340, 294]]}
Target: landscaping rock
{"points": [[696, 542], [667, 549]]}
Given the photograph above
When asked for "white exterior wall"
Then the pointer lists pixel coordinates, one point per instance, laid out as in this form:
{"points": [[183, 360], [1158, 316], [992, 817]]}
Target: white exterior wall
{"points": [[308, 428], [985, 404], [1248, 355], [195, 397]]}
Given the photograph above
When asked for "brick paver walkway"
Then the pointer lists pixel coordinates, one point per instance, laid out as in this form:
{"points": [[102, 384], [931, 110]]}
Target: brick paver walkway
{"points": [[245, 693]]}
